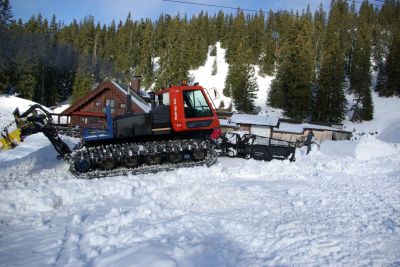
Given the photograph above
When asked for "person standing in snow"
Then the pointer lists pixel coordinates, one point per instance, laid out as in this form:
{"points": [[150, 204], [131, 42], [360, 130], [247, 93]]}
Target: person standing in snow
{"points": [[309, 140]]}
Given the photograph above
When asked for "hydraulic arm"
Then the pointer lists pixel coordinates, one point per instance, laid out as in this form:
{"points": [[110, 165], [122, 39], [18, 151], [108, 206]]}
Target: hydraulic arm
{"points": [[36, 119]]}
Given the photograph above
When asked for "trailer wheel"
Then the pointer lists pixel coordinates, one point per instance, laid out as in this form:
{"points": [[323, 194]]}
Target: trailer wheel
{"points": [[131, 161], [175, 157], [153, 159], [268, 157], [198, 154], [261, 155], [107, 163]]}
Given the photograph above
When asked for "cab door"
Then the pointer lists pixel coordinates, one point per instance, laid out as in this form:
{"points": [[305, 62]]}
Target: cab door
{"points": [[191, 110]]}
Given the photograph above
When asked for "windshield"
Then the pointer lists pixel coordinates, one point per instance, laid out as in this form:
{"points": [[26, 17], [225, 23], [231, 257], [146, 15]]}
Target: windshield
{"points": [[196, 105]]}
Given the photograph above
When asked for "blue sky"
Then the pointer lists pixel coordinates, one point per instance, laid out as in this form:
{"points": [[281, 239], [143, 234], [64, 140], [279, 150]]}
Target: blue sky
{"points": [[107, 10]]}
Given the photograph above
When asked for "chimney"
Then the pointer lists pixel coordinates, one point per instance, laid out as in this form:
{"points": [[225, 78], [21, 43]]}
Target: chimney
{"points": [[135, 83], [128, 101]]}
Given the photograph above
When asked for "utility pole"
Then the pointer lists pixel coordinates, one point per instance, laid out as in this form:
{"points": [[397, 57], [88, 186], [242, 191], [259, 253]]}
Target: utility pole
{"points": [[275, 37]]}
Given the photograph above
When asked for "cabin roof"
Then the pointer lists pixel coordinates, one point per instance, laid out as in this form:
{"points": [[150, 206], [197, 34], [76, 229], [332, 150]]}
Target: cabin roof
{"points": [[262, 120], [300, 128]]}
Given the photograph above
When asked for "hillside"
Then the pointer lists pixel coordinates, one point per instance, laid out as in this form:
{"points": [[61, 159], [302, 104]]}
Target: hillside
{"points": [[204, 76]]}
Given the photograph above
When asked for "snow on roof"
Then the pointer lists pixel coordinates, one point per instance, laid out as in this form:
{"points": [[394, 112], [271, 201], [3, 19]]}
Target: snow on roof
{"points": [[299, 128], [265, 120], [290, 128], [226, 123], [145, 107]]}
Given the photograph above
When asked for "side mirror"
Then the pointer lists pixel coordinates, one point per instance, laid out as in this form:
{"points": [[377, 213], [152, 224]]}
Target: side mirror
{"points": [[213, 92]]}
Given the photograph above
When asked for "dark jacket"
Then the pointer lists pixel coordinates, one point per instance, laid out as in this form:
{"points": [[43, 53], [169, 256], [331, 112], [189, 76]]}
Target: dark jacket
{"points": [[309, 139]]}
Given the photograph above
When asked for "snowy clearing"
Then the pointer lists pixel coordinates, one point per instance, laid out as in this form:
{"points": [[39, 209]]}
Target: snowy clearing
{"points": [[337, 206]]}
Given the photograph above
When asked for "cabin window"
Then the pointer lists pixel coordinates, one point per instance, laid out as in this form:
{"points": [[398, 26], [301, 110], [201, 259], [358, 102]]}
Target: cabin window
{"points": [[112, 110], [110, 102], [84, 120], [122, 105], [97, 103], [92, 120]]}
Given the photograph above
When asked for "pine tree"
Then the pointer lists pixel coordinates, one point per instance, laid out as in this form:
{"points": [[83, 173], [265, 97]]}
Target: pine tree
{"points": [[237, 37], [5, 13], [241, 83], [84, 77], [348, 36], [330, 103], [110, 49], [270, 46], [213, 51], [174, 66], [360, 76], [82, 85], [145, 67], [381, 79], [392, 66], [386, 49], [256, 36], [5, 64], [214, 70], [83, 81], [197, 46], [221, 104], [319, 33], [291, 89]]}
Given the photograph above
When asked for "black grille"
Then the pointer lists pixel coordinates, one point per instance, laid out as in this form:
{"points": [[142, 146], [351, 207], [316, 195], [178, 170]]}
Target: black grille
{"points": [[198, 124]]}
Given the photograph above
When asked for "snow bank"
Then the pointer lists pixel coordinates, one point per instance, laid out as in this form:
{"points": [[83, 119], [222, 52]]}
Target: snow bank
{"points": [[339, 148], [391, 133], [368, 147], [25, 148]]}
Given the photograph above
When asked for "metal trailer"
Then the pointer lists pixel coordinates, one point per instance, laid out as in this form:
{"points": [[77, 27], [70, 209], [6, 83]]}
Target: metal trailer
{"points": [[236, 144]]}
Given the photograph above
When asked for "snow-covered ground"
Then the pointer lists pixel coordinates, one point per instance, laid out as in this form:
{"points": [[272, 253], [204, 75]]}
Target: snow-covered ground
{"points": [[339, 206]]}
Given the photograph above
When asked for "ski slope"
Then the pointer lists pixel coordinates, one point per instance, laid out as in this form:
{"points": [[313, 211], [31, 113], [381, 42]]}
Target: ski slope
{"points": [[337, 206], [204, 76]]}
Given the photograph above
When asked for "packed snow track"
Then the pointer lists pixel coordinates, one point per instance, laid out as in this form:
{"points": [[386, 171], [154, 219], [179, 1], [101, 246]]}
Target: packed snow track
{"points": [[337, 207]]}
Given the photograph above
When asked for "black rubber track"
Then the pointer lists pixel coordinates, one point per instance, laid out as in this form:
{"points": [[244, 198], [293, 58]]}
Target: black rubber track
{"points": [[149, 147]]}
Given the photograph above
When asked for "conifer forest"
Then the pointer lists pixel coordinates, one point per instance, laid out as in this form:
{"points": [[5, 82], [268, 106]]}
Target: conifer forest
{"points": [[317, 57]]}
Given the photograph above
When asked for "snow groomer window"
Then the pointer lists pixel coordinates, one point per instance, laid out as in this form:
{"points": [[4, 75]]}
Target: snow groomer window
{"points": [[196, 105]]}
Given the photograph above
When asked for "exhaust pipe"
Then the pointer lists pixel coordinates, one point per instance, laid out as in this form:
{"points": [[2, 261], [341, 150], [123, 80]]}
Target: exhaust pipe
{"points": [[152, 100]]}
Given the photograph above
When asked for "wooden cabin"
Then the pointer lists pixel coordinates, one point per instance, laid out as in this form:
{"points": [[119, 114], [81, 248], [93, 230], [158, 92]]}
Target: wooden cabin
{"points": [[227, 126], [291, 131], [89, 111]]}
